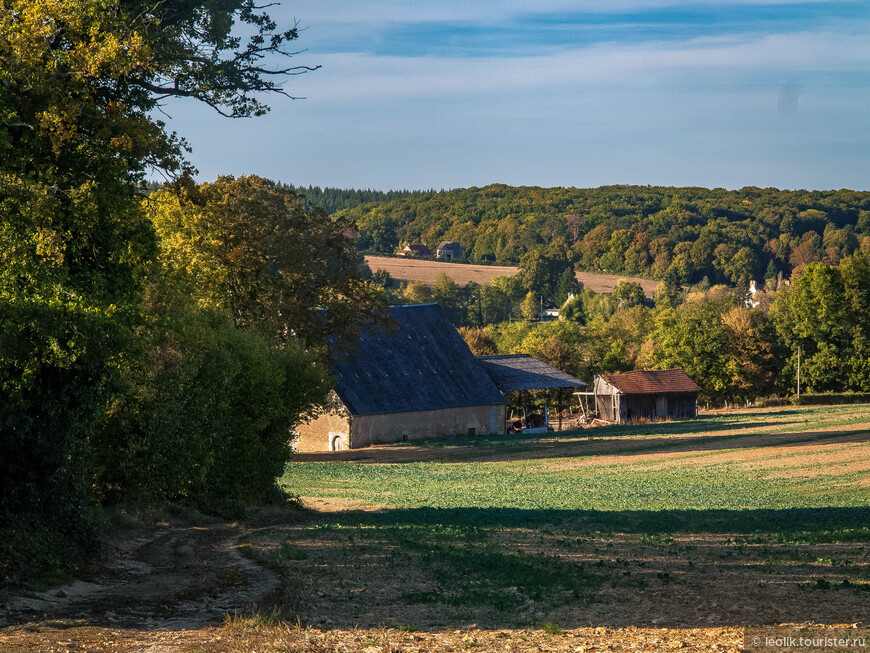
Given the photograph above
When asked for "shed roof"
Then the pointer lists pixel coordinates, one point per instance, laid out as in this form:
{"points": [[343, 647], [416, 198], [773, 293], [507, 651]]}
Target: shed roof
{"points": [[652, 382], [521, 372], [423, 365]]}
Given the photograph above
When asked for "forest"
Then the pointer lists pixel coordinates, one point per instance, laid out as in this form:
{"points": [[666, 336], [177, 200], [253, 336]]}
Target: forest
{"points": [[686, 235]]}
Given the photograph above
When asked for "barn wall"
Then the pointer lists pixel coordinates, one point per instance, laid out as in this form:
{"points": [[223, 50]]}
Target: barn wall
{"points": [[606, 400], [320, 433], [420, 425], [328, 431], [658, 406]]}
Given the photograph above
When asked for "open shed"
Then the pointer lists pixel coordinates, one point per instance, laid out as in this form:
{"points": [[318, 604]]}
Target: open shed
{"points": [[523, 373], [647, 394]]}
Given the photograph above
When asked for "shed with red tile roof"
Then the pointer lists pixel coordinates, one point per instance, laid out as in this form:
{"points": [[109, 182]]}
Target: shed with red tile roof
{"points": [[646, 394]]}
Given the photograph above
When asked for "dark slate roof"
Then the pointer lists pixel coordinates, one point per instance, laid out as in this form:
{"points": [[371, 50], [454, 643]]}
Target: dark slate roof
{"points": [[449, 244], [423, 365], [522, 372], [652, 382]]}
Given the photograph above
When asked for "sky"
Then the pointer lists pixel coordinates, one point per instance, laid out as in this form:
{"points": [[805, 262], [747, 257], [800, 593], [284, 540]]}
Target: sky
{"points": [[451, 94]]}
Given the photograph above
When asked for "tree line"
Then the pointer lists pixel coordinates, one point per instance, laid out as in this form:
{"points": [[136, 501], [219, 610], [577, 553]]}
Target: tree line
{"points": [[336, 199]]}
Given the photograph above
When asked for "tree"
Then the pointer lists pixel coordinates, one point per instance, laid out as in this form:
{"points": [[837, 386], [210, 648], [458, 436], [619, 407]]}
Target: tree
{"points": [[628, 293], [813, 316], [751, 359], [447, 294], [693, 338], [266, 256], [566, 286], [855, 271], [79, 80], [572, 310], [530, 307], [479, 341], [540, 273], [417, 293], [499, 297], [668, 294]]}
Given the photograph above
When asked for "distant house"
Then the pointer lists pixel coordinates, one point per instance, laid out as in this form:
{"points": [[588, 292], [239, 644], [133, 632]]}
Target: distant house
{"points": [[449, 251], [549, 314], [421, 381], [415, 251], [651, 394]]}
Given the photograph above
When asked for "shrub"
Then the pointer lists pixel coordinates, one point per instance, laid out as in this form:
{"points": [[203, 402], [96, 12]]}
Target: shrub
{"points": [[207, 419]]}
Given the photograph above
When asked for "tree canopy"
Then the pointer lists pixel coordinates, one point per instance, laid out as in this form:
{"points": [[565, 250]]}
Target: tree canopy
{"points": [[260, 252], [79, 84]]}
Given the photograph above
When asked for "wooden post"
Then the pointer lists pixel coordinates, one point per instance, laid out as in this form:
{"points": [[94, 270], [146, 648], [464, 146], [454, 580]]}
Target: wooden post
{"points": [[559, 405]]}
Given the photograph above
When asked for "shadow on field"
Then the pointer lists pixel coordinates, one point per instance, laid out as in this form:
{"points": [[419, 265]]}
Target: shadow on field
{"points": [[433, 568], [811, 524]]}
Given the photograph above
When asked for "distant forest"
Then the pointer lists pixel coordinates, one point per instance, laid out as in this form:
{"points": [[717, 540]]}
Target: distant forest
{"points": [[684, 235], [331, 199], [337, 199]]}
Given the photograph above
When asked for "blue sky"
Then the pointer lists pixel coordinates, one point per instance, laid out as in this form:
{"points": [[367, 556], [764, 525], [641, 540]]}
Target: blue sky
{"points": [[448, 94]]}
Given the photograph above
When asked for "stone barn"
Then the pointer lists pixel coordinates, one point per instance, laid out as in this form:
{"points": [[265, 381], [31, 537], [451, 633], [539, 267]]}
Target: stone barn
{"points": [[420, 381], [449, 251], [649, 394]]}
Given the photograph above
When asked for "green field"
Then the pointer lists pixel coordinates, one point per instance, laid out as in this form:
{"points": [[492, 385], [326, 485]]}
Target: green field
{"points": [[736, 519]]}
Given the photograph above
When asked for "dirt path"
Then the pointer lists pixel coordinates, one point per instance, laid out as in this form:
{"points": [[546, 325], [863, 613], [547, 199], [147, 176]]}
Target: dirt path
{"points": [[174, 578]]}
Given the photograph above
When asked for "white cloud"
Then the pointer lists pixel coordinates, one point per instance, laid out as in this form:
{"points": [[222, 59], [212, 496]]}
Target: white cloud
{"points": [[379, 12], [355, 77]]}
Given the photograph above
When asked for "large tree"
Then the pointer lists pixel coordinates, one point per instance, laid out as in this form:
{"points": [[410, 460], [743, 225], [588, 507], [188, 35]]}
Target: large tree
{"points": [[267, 257]]}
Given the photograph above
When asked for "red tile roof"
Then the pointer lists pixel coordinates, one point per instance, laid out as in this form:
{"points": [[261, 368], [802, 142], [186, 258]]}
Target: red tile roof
{"points": [[652, 382]]}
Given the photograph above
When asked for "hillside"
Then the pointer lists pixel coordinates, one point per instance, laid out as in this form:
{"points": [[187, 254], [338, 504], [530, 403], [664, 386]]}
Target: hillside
{"points": [[684, 234]]}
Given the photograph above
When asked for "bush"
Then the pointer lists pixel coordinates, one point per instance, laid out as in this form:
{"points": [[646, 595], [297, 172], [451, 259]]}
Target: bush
{"points": [[58, 369], [207, 420], [831, 398]]}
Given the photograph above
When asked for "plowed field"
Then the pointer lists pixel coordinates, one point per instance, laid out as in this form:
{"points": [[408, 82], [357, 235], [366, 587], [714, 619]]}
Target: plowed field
{"points": [[426, 271]]}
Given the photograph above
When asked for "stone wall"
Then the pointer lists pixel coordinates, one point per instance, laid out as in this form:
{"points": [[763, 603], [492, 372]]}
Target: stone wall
{"points": [[425, 424], [329, 431]]}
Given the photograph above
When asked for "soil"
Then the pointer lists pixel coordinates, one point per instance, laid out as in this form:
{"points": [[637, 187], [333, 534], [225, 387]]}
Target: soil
{"points": [[188, 589]]}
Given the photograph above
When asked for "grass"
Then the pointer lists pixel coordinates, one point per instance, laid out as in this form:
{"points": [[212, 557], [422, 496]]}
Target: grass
{"points": [[626, 484], [513, 531]]}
